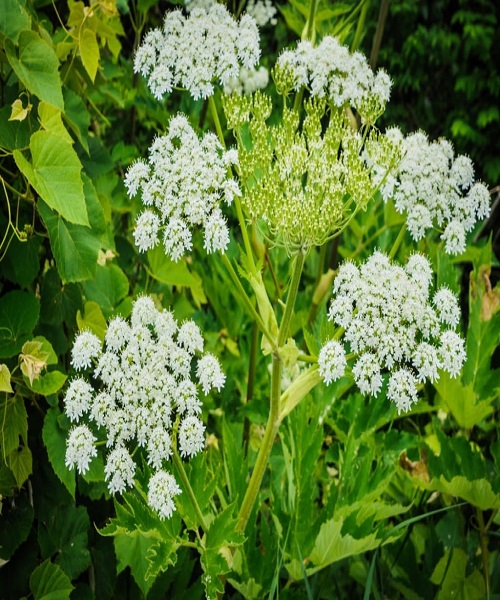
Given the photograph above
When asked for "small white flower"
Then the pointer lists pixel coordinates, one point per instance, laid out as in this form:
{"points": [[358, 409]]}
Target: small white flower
{"points": [[187, 397], [402, 389], [331, 361], [162, 490], [189, 337], [426, 362], [446, 304], [85, 347], [80, 448], [117, 334], [144, 312], [78, 399], [216, 233], [191, 436], [159, 447], [210, 374], [452, 352], [137, 174], [454, 238], [119, 471], [146, 231], [366, 373]]}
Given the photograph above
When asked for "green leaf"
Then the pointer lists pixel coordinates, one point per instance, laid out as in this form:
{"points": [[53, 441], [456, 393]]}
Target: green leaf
{"points": [[5, 379], [331, 545], [59, 302], [22, 261], [54, 439], [20, 462], [54, 172], [13, 19], [167, 271], [51, 120], [37, 67], [92, 319], [13, 134], [15, 525], [18, 111], [48, 384], [108, 288], [76, 116], [89, 51], [14, 422], [49, 582], [19, 313], [462, 401], [451, 574], [64, 537], [131, 551], [477, 492], [217, 556], [75, 247]]}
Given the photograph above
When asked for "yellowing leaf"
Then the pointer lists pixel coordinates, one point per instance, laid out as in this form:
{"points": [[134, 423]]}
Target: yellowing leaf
{"points": [[33, 360], [19, 113], [89, 52], [5, 379], [51, 120]]}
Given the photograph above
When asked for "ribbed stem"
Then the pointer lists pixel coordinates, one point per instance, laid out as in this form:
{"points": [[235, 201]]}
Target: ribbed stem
{"points": [[185, 481]]}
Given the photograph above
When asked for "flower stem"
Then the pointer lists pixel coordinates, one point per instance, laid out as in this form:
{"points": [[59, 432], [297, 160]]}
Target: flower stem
{"points": [[398, 241], [483, 542], [248, 303], [265, 447], [185, 481], [291, 297]]}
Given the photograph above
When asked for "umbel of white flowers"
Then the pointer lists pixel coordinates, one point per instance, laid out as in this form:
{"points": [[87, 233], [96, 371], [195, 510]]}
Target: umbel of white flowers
{"points": [[392, 325], [182, 186], [193, 52], [433, 187], [143, 395]]}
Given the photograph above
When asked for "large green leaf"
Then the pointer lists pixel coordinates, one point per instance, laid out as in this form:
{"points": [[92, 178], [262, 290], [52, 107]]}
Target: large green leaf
{"points": [[64, 537], [13, 134], [76, 116], [108, 288], [21, 264], [19, 313], [13, 423], [49, 582], [89, 52], [37, 67], [20, 462], [54, 439], [13, 19], [15, 524], [75, 247], [167, 271], [452, 575], [54, 172], [217, 555]]}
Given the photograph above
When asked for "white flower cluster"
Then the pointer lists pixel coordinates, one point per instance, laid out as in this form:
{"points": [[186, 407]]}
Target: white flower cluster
{"points": [[182, 184], [146, 398], [195, 51], [262, 11], [330, 70], [248, 81], [435, 187], [391, 325]]}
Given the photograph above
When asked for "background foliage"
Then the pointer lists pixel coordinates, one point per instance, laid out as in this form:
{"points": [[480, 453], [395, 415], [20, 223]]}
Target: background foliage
{"points": [[412, 503]]}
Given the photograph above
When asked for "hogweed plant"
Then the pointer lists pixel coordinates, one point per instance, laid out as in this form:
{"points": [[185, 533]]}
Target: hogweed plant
{"points": [[285, 173]]}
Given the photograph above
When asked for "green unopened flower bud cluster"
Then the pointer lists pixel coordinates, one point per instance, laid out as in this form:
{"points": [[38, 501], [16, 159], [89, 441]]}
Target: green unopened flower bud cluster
{"points": [[304, 182]]}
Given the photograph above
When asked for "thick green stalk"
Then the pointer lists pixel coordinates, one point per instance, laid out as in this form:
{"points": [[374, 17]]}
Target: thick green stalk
{"points": [[309, 32], [265, 447], [188, 488]]}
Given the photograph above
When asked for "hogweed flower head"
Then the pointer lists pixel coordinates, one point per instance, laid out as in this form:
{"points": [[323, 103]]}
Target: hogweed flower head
{"points": [[434, 188], [144, 396], [330, 71], [183, 184], [392, 324], [193, 52], [302, 183]]}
